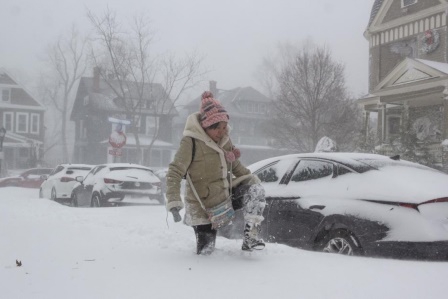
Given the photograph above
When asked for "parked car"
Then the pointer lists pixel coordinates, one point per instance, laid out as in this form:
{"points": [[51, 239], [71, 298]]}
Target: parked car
{"points": [[31, 178], [353, 204], [110, 183], [59, 183], [161, 174]]}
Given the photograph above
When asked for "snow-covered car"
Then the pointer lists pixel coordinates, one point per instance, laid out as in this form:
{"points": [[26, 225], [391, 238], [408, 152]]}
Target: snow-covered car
{"points": [[353, 204], [31, 178], [59, 183], [161, 174], [110, 183]]}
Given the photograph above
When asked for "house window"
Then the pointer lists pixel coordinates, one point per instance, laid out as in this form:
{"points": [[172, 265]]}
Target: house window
{"points": [[22, 122], [151, 124], [35, 122], [6, 95], [8, 121], [137, 121], [405, 3], [393, 125]]}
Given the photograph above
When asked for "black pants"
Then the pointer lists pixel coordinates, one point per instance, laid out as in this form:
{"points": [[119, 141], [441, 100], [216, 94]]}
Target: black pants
{"points": [[205, 238]]}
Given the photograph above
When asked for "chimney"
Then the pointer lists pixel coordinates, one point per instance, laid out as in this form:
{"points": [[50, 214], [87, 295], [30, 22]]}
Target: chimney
{"points": [[96, 79], [213, 88]]}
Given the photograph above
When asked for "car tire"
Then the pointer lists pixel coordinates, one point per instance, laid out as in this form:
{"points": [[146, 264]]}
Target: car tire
{"points": [[53, 194], [340, 241], [95, 201], [41, 194], [74, 201]]}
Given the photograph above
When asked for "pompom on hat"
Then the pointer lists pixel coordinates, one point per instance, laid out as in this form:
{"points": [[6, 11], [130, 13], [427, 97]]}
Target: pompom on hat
{"points": [[212, 111]]}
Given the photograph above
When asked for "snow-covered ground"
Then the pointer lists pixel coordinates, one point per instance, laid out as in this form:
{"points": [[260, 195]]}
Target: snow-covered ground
{"points": [[136, 251]]}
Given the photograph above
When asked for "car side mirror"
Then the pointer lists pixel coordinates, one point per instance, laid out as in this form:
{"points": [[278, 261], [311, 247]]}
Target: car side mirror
{"points": [[79, 179], [44, 177]]}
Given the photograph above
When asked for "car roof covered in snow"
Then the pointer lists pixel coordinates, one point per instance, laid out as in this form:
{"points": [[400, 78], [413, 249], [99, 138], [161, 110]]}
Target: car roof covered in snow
{"points": [[360, 162]]}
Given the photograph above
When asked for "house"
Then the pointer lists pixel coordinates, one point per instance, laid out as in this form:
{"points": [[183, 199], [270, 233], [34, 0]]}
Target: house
{"points": [[408, 74], [23, 118], [98, 111], [249, 114]]}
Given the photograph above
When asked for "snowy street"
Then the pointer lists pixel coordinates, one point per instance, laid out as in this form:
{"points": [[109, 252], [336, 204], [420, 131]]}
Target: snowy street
{"points": [[132, 252]]}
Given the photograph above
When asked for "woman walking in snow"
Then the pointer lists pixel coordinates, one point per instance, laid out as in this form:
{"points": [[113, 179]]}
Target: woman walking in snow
{"points": [[207, 156]]}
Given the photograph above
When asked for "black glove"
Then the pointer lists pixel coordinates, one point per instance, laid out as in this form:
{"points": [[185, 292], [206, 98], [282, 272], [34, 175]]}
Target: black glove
{"points": [[176, 215]]}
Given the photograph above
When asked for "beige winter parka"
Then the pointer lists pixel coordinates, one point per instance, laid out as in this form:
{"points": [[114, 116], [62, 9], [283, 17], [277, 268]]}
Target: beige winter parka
{"points": [[208, 171]]}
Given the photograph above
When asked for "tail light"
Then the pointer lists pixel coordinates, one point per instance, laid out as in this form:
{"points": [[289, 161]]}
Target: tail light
{"points": [[409, 205], [442, 199], [157, 184], [112, 181], [415, 206], [66, 179]]}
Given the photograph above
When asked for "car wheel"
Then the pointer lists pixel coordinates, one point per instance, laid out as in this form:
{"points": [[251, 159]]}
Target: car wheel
{"points": [[41, 194], [74, 201], [340, 241], [53, 194], [96, 201]]}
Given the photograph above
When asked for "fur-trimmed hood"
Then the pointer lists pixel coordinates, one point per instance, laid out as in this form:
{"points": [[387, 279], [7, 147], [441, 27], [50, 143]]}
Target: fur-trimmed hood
{"points": [[193, 129]]}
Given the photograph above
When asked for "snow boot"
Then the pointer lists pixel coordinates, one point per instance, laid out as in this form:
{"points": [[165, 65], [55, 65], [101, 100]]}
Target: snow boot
{"points": [[251, 239], [205, 239]]}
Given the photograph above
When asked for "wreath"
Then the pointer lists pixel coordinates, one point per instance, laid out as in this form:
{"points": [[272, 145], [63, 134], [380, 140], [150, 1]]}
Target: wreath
{"points": [[430, 41]]}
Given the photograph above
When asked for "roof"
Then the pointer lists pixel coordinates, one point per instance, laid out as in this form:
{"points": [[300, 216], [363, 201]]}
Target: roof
{"points": [[440, 66], [18, 140], [106, 99], [10, 82], [230, 100], [375, 9]]}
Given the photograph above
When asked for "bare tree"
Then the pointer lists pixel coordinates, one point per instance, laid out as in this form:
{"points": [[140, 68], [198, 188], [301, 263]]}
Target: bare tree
{"points": [[66, 63], [128, 66], [311, 100]]}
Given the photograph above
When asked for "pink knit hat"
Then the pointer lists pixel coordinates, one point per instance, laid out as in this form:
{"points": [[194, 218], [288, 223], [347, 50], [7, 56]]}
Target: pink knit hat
{"points": [[212, 111]]}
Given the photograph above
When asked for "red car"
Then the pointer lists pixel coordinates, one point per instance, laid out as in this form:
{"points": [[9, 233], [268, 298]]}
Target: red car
{"points": [[31, 178]]}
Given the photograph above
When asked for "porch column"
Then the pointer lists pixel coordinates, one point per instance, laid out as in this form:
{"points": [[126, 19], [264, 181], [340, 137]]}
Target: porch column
{"points": [[365, 127], [405, 118], [445, 130], [383, 122], [445, 114]]}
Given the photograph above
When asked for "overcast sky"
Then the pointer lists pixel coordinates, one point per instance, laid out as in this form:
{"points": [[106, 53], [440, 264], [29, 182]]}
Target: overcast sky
{"points": [[234, 35]]}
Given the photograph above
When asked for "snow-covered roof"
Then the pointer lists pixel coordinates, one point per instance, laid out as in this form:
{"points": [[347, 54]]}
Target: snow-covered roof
{"points": [[230, 99], [440, 66], [375, 9], [16, 140]]}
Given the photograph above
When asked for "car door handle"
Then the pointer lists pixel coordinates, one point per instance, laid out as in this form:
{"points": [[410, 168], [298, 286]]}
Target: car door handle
{"points": [[318, 207]]}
